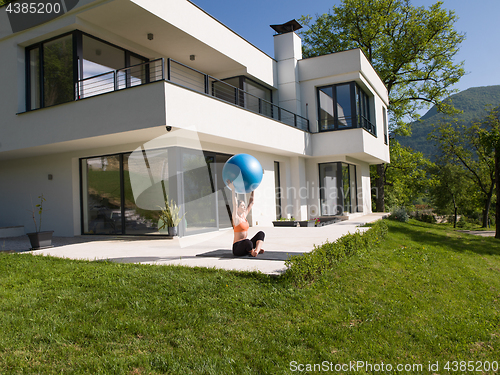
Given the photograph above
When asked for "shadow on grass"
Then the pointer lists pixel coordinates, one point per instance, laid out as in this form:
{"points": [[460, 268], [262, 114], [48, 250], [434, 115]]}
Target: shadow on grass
{"points": [[459, 242]]}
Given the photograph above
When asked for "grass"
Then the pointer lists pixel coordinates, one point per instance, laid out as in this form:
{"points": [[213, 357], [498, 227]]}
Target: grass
{"points": [[427, 293]]}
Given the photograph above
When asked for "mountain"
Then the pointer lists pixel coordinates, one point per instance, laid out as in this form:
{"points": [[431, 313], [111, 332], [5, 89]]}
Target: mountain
{"points": [[473, 102]]}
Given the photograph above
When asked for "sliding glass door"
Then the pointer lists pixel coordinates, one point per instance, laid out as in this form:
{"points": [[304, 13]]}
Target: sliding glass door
{"points": [[122, 193], [338, 188], [102, 198]]}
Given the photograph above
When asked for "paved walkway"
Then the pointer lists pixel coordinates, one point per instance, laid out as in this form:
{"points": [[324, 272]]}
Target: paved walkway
{"points": [[186, 250], [482, 233]]}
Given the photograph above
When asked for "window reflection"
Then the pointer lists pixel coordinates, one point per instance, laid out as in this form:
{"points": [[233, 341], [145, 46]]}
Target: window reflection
{"points": [[344, 106], [58, 71], [102, 196], [338, 188]]}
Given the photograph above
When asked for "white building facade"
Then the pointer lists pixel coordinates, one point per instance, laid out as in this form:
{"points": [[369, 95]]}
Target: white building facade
{"points": [[113, 106]]}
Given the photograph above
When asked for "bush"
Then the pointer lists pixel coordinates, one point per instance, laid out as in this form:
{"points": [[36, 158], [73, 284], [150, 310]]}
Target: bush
{"points": [[400, 214], [427, 218], [307, 267]]}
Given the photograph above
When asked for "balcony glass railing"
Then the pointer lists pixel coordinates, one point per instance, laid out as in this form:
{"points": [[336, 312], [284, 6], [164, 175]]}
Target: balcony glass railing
{"points": [[348, 123], [183, 75]]}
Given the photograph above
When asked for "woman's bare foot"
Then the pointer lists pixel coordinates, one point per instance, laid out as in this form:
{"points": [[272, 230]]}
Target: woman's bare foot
{"points": [[261, 251], [254, 253]]}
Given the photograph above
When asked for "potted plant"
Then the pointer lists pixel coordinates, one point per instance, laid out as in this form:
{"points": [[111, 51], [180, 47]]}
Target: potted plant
{"points": [[38, 239], [169, 217], [284, 222], [307, 223]]}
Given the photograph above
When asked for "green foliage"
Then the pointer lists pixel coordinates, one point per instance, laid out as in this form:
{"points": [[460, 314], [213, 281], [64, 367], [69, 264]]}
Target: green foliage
{"points": [[58, 71], [451, 193], [411, 48], [306, 268], [169, 214], [469, 148], [473, 104], [427, 218], [406, 177], [400, 214]]}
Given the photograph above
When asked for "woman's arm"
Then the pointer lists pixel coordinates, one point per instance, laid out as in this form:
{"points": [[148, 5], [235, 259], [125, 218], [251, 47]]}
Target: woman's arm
{"points": [[235, 202], [250, 202]]}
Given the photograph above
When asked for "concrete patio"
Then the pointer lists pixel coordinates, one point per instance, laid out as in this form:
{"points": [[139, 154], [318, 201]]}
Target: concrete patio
{"points": [[186, 251]]}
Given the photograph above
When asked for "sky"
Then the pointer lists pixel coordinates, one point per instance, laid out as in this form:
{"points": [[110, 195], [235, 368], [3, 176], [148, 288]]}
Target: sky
{"points": [[478, 19]]}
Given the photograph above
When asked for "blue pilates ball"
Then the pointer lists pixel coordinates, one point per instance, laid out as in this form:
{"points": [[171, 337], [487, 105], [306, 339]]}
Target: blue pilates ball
{"points": [[244, 171]]}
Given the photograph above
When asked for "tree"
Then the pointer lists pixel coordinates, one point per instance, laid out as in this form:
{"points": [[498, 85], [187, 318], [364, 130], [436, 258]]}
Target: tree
{"points": [[407, 178], [471, 148], [411, 48], [489, 135], [449, 191]]}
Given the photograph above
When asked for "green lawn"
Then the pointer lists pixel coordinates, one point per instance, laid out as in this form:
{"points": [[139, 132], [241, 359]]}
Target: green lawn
{"points": [[426, 294]]}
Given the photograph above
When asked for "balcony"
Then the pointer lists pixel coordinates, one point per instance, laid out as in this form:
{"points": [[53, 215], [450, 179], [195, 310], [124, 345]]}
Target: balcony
{"points": [[185, 76], [346, 122]]}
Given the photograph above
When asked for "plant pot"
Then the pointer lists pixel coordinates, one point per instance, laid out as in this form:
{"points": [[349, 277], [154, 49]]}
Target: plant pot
{"points": [[40, 240], [172, 231], [285, 223], [307, 223]]}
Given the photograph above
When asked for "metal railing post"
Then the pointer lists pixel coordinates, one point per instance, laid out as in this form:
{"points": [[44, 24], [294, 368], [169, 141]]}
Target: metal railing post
{"points": [[206, 84], [162, 69], [169, 68], [115, 79]]}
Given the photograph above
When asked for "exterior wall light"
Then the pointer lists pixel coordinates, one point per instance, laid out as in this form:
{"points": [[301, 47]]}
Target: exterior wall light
{"points": [[192, 57], [150, 36]]}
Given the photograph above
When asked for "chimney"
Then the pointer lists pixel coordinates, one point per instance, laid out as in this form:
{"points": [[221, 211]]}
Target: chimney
{"points": [[287, 52]]}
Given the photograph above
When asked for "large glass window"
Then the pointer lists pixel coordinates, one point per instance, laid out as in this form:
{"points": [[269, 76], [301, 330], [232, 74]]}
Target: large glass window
{"points": [[326, 115], [344, 106], [199, 191], [223, 194], [337, 188], [257, 92], [121, 193], [384, 118], [102, 198], [255, 97], [34, 74], [146, 185], [60, 69], [50, 72], [344, 114]]}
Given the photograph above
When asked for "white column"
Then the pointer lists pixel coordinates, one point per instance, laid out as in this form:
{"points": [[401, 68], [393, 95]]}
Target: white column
{"points": [[298, 191], [287, 52], [364, 189]]}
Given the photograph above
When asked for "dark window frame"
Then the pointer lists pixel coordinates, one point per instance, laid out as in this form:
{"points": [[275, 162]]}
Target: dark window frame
{"points": [[361, 104], [386, 128], [77, 41], [354, 203], [241, 86]]}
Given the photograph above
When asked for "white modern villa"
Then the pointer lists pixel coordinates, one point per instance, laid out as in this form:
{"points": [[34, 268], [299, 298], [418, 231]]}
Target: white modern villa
{"points": [[116, 104]]}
